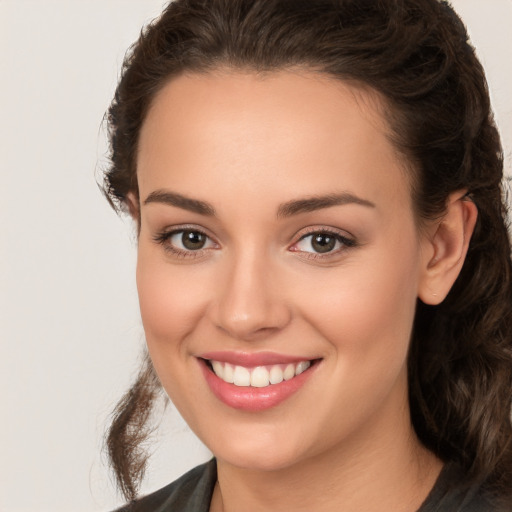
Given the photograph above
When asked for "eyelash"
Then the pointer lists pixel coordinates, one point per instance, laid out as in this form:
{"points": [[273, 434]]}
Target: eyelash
{"points": [[346, 243], [164, 237]]}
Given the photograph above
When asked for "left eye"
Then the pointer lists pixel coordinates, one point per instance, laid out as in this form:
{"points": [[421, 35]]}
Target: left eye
{"points": [[320, 242], [190, 240]]}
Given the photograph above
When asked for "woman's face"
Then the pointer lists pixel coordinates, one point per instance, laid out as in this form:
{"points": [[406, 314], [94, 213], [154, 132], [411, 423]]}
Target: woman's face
{"points": [[277, 233]]}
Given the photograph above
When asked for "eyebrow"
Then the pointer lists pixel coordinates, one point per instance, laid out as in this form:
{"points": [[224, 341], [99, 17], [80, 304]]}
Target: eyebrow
{"points": [[311, 204], [180, 201], [287, 209]]}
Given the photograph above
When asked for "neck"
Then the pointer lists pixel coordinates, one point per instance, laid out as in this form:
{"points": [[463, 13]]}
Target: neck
{"points": [[382, 467]]}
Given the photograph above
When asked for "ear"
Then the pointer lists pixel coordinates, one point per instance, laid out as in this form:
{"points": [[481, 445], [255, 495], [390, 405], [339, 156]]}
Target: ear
{"points": [[446, 245], [133, 206]]}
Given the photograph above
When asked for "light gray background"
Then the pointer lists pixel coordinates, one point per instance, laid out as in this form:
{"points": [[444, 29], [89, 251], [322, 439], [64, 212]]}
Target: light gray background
{"points": [[70, 331]]}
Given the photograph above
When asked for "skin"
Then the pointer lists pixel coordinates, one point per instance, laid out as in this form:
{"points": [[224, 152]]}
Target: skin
{"points": [[247, 144]]}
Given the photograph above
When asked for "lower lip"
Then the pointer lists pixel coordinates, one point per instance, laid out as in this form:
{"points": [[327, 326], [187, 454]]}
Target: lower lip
{"points": [[250, 398]]}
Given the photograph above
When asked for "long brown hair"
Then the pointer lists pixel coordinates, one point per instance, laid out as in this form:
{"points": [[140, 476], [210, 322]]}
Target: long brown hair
{"points": [[416, 54]]}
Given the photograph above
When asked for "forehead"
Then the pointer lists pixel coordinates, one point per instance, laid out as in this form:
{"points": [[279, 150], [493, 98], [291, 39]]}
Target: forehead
{"points": [[292, 129]]}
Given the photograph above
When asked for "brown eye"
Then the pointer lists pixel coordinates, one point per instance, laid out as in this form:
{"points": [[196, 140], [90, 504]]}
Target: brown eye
{"points": [[323, 242], [185, 241], [193, 240], [320, 242]]}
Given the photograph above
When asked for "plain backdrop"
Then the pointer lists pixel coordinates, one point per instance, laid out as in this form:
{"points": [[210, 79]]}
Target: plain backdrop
{"points": [[70, 330]]}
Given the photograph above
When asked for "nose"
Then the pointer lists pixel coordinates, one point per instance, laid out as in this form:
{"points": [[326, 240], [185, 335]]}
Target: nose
{"points": [[250, 305]]}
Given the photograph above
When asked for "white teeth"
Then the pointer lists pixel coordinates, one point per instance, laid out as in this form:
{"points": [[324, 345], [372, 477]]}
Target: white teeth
{"points": [[259, 377], [276, 375], [218, 368], [289, 372], [302, 366], [228, 373], [241, 377]]}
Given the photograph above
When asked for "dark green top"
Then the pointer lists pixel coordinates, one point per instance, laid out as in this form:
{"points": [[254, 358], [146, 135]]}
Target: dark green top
{"points": [[193, 492]]}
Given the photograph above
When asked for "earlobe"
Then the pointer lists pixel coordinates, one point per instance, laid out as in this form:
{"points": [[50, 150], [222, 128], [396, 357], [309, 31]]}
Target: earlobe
{"points": [[448, 245]]}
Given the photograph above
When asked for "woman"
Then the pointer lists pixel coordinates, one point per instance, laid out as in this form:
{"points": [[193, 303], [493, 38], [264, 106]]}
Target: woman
{"points": [[324, 268]]}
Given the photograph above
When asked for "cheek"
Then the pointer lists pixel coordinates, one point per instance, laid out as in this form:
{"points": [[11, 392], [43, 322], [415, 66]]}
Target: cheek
{"points": [[367, 311], [171, 304], [170, 301]]}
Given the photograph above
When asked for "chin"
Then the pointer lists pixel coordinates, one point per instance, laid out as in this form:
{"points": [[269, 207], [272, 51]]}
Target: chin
{"points": [[264, 460], [258, 451]]}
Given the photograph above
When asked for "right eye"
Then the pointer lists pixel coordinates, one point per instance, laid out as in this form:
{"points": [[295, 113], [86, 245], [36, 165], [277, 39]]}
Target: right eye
{"points": [[185, 242], [189, 240]]}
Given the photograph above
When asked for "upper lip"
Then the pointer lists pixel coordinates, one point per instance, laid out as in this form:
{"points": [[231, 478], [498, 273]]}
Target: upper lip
{"points": [[252, 359]]}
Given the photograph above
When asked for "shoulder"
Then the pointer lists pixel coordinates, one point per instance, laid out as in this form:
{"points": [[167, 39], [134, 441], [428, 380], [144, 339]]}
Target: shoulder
{"points": [[452, 493], [190, 492]]}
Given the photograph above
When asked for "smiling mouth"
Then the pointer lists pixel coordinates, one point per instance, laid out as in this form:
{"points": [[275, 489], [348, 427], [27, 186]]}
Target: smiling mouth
{"points": [[259, 376]]}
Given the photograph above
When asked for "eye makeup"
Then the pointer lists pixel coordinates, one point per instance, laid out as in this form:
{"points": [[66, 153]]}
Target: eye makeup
{"points": [[316, 242]]}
